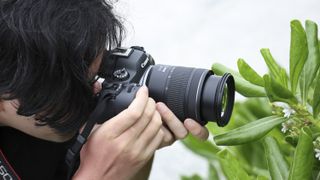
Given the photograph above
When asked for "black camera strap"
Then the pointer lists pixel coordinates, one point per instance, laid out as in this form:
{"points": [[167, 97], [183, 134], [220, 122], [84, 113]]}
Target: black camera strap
{"points": [[73, 153]]}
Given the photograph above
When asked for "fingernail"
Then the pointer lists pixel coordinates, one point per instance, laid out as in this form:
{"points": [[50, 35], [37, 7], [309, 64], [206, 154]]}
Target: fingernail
{"points": [[144, 89], [160, 107]]}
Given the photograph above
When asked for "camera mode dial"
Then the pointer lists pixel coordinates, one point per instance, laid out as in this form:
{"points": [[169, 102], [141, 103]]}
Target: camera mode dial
{"points": [[121, 74]]}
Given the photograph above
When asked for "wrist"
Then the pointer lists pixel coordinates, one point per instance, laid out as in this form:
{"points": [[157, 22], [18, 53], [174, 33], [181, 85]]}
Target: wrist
{"points": [[92, 173], [85, 174]]}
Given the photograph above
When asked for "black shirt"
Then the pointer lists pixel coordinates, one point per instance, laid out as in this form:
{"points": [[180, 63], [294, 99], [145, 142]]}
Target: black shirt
{"points": [[33, 158]]}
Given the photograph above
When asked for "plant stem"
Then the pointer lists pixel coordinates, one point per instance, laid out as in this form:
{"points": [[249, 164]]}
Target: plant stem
{"points": [[304, 115]]}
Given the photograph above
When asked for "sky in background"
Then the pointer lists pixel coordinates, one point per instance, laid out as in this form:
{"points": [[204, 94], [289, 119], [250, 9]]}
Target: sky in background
{"points": [[197, 33]]}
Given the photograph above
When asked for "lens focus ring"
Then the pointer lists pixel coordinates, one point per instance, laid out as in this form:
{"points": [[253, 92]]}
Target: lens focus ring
{"points": [[176, 90]]}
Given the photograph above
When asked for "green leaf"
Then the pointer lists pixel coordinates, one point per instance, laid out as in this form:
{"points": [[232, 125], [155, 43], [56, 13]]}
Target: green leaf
{"points": [[277, 165], [276, 71], [243, 87], [232, 169], [249, 74], [311, 66], [213, 173], [220, 69], [205, 149], [298, 53], [193, 177], [262, 178], [255, 157], [276, 92], [264, 109], [247, 89], [245, 113], [284, 77], [316, 97], [249, 132], [302, 165]]}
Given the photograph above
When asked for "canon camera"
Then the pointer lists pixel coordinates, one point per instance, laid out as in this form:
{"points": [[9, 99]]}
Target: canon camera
{"points": [[189, 92]]}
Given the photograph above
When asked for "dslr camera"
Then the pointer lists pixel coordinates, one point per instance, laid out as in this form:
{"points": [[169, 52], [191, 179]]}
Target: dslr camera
{"points": [[189, 92]]}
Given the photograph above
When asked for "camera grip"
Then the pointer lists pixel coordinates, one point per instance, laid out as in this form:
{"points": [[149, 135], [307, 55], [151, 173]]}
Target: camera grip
{"points": [[113, 100]]}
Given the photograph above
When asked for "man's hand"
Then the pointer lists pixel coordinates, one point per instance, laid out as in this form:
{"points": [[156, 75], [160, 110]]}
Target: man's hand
{"points": [[175, 129], [121, 146]]}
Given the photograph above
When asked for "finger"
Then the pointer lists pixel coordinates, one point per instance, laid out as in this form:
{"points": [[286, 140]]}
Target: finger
{"points": [[135, 130], [173, 123], [97, 86], [168, 138], [150, 131], [140, 100], [155, 143], [196, 129], [125, 119]]}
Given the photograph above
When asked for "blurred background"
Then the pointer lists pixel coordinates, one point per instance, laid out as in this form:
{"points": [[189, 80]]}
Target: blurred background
{"points": [[197, 33]]}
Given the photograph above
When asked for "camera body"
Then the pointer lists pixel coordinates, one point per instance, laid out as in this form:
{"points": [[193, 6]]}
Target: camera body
{"points": [[188, 92], [126, 65], [123, 71]]}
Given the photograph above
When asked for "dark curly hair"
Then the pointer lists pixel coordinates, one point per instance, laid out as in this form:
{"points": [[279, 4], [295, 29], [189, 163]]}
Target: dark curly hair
{"points": [[46, 48]]}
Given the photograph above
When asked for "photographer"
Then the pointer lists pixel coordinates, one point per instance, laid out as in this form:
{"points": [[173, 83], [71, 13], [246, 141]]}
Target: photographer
{"points": [[50, 51]]}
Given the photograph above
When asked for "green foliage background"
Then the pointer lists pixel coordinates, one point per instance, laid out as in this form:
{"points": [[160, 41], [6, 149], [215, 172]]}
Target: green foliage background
{"points": [[274, 133]]}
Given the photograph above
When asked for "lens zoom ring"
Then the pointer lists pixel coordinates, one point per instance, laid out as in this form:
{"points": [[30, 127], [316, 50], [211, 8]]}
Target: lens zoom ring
{"points": [[176, 92]]}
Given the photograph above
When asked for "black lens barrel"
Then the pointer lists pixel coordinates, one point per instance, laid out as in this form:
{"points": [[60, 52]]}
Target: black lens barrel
{"points": [[212, 107], [192, 92]]}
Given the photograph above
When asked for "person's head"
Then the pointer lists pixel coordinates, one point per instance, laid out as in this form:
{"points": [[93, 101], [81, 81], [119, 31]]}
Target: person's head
{"points": [[49, 52]]}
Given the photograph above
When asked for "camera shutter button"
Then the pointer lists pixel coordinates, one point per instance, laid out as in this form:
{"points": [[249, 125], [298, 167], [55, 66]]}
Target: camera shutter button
{"points": [[121, 74]]}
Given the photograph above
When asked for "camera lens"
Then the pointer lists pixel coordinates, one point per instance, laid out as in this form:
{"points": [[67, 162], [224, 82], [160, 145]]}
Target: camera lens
{"points": [[217, 99], [224, 99], [192, 92]]}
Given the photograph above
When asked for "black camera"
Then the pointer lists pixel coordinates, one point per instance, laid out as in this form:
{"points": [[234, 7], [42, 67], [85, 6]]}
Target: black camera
{"points": [[188, 92]]}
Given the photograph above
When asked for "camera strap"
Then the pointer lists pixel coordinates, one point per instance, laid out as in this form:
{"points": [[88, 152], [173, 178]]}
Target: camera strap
{"points": [[73, 153]]}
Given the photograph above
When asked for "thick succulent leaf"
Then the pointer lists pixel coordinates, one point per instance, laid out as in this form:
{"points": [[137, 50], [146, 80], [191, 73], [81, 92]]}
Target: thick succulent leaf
{"points": [[249, 74], [298, 52], [213, 172], [250, 132], [277, 92], [231, 167], [316, 97], [311, 66], [276, 71], [243, 87], [277, 164], [205, 149], [302, 165]]}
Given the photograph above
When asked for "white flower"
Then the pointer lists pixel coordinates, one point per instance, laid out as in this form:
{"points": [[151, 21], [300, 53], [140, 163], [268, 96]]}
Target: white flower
{"points": [[284, 128], [286, 109], [287, 125], [288, 112], [317, 155]]}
